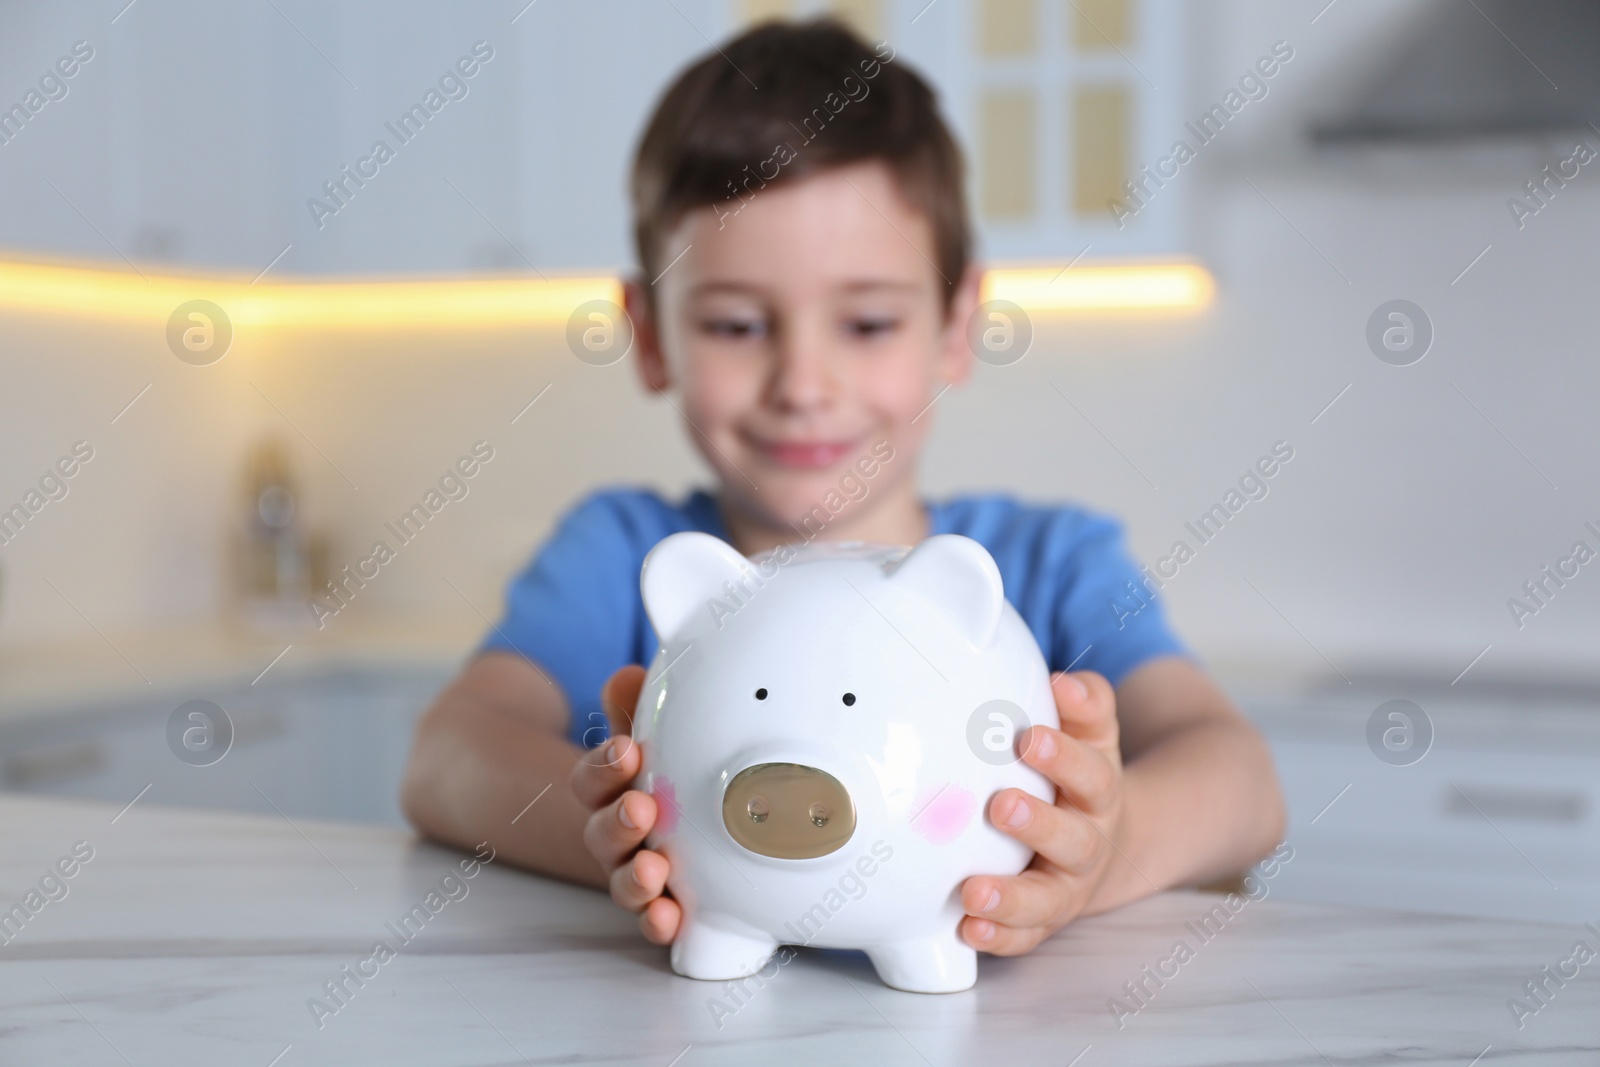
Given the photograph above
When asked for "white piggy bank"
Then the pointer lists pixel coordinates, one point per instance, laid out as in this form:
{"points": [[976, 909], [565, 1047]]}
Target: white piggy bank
{"points": [[822, 732]]}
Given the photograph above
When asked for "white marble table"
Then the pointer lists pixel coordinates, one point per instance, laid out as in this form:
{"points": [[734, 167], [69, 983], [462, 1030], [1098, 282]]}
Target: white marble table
{"points": [[196, 937]]}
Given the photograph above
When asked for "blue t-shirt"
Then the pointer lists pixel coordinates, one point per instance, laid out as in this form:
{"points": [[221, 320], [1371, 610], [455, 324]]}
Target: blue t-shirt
{"points": [[575, 609]]}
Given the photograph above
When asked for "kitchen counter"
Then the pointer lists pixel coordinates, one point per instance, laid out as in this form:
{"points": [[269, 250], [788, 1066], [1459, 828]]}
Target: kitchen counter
{"points": [[128, 665], [202, 937]]}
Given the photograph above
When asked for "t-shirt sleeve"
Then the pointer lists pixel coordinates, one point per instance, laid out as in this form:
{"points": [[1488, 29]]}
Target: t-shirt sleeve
{"points": [[1109, 618], [572, 609]]}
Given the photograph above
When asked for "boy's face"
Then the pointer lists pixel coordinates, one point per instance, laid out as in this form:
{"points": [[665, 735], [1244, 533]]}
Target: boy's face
{"points": [[806, 330]]}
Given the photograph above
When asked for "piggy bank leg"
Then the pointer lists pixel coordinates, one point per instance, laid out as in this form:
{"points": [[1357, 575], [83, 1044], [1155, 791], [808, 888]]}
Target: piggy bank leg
{"points": [[934, 963], [714, 949]]}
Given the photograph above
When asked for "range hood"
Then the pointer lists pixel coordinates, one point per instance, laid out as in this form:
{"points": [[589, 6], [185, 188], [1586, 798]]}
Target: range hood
{"points": [[1478, 69]]}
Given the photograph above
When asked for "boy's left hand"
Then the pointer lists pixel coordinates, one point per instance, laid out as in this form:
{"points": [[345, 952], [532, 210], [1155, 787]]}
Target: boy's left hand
{"points": [[1072, 839]]}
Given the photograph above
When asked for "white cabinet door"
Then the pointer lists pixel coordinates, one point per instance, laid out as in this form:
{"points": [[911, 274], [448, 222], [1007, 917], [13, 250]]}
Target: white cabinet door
{"points": [[1463, 830]]}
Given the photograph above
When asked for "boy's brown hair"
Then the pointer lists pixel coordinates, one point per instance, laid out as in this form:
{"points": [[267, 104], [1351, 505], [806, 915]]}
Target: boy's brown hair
{"points": [[784, 100]]}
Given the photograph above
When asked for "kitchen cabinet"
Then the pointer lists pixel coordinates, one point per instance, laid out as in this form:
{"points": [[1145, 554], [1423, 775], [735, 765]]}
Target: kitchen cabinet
{"points": [[1500, 817], [242, 137]]}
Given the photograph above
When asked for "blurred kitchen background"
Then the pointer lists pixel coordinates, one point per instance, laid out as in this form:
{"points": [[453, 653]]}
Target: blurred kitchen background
{"points": [[1437, 153]]}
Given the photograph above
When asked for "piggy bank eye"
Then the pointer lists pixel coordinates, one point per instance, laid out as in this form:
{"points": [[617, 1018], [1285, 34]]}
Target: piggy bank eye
{"points": [[758, 808], [761, 694], [819, 814], [849, 699]]}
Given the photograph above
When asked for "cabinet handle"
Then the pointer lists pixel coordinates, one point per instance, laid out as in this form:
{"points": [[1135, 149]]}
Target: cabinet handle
{"points": [[1517, 803], [54, 763]]}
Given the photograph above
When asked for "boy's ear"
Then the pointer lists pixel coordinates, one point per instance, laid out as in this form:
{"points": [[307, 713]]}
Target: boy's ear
{"points": [[955, 358], [651, 362]]}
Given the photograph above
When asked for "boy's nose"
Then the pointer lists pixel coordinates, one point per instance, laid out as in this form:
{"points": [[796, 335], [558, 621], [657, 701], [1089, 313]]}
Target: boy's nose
{"points": [[788, 811], [804, 377]]}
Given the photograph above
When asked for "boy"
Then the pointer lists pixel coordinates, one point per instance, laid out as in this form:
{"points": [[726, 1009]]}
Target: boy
{"points": [[808, 242]]}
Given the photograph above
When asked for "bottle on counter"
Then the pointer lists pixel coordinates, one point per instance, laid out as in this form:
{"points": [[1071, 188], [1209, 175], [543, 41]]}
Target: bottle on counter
{"points": [[279, 560]]}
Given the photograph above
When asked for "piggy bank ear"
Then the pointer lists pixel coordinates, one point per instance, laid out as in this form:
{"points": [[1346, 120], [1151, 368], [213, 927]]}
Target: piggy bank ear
{"points": [[957, 575], [681, 574]]}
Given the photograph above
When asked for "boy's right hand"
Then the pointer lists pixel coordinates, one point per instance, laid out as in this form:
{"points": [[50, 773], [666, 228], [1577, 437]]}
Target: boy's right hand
{"points": [[621, 817]]}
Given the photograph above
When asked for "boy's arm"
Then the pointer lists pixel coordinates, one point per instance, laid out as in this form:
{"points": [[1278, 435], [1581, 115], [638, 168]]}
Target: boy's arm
{"points": [[491, 743], [1201, 799]]}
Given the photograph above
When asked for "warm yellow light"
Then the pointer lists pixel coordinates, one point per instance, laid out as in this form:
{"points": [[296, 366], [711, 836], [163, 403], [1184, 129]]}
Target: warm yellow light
{"points": [[1111, 287], [100, 292], [466, 302]]}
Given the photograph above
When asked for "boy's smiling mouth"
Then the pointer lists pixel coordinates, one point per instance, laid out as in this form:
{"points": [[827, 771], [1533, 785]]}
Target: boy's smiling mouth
{"points": [[804, 454]]}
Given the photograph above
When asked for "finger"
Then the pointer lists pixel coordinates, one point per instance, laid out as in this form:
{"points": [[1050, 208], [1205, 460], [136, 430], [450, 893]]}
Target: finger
{"points": [[620, 695], [999, 939], [601, 774], [1083, 772], [660, 920], [1032, 898], [1064, 836], [643, 878], [1087, 706], [609, 838]]}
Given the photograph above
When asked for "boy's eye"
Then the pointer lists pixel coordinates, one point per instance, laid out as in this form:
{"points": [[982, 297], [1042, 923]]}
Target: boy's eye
{"points": [[732, 328], [872, 326]]}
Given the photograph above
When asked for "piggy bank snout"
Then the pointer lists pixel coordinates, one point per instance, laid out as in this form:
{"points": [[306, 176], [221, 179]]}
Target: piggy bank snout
{"points": [[788, 811]]}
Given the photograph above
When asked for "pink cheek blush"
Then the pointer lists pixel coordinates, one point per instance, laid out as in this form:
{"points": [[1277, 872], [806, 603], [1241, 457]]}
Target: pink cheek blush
{"points": [[666, 798], [943, 815]]}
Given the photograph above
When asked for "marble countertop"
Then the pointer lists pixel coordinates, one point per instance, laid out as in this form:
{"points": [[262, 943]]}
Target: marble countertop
{"points": [[201, 937]]}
